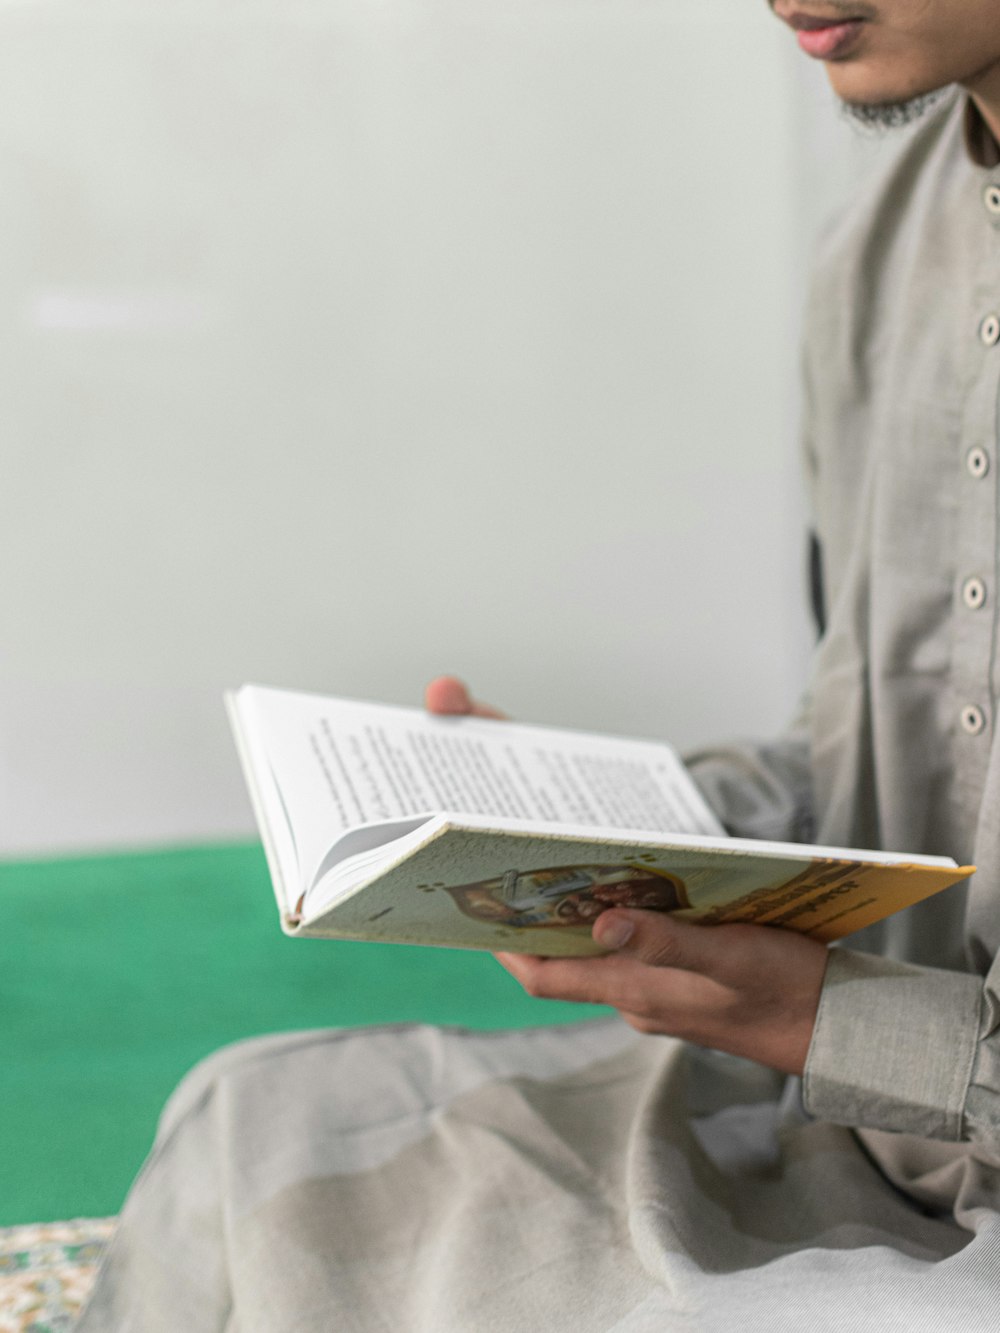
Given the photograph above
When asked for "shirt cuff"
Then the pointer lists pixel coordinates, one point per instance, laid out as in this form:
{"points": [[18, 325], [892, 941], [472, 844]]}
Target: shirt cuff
{"points": [[893, 1046]]}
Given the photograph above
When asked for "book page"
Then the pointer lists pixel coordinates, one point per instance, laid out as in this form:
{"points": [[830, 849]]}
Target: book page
{"points": [[341, 764]]}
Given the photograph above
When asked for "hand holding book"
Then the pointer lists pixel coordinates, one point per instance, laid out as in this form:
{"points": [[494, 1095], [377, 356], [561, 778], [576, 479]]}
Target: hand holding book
{"points": [[747, 990]]}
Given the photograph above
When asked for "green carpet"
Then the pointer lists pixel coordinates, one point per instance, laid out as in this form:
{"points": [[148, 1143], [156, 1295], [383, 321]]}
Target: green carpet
{"points": [[118, 972]]}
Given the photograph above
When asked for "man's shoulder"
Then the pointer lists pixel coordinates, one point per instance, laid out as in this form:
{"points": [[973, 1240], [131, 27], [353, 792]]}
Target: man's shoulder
{"points": [[888, 301], [926, 168]]}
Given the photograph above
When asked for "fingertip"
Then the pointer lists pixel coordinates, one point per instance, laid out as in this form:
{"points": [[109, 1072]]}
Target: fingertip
{"points": [[447, 694], [514, 963], [613, 929]]}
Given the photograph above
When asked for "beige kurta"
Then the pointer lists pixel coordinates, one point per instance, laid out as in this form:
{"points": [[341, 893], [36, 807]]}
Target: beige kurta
{"points": [[897, 745], [590, 1179]]}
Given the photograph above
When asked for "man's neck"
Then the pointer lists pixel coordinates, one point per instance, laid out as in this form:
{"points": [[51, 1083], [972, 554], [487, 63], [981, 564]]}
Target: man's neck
{"points": [[991, 118], [984, 90]]}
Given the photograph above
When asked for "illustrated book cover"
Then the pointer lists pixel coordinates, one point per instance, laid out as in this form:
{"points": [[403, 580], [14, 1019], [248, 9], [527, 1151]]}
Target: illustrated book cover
{"points": [[388, 823]]}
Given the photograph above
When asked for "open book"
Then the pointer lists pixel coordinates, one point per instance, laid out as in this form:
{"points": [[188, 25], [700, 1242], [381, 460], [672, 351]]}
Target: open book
{"points": [[387, 823]]}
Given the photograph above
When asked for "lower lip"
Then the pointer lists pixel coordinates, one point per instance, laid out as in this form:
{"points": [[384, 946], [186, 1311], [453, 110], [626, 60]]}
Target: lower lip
{"points": [[830, 43]]}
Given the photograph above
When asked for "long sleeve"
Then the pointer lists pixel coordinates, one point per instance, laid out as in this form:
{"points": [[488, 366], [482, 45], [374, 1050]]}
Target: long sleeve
{"points": [[759, 790], [982, 1104], [896, 1046], [908, 1049]]}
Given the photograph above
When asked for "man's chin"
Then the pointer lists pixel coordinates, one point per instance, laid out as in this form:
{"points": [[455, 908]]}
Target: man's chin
{"points": [[890, 115]]}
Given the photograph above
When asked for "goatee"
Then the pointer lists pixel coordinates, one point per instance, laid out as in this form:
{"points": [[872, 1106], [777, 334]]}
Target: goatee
{"points": [[878, 116]]}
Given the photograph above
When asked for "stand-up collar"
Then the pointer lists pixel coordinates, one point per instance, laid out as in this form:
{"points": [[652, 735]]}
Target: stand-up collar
{"points": [[979, 140]]}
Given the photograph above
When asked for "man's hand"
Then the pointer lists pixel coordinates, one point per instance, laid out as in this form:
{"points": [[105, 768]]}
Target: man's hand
{"points": [[749, 990], [446, 694]]}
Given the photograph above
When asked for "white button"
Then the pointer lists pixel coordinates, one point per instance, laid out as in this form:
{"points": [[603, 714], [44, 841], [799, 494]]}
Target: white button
{"points": [[974, 593], [973, 720], [978, 463], [989, 331], [991, 198]]}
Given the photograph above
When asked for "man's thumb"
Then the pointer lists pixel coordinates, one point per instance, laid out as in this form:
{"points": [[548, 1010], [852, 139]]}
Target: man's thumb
{"points": [[656, 938]]}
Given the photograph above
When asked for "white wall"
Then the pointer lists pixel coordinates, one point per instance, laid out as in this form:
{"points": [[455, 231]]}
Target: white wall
{"points": [[350, 341]]}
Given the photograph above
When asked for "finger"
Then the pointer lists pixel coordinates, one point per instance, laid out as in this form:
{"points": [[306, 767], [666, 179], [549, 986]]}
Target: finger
{"points": [[579, 980], [519, 965], [658, 939], [508, 961], [449, 695]]}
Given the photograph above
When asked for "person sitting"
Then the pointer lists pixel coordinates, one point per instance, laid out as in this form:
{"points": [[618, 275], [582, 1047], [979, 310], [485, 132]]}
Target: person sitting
{"points": [[772, 1134]]}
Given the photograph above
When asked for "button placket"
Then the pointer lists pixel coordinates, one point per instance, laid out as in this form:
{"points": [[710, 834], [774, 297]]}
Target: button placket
{"points": [[974, 661]]}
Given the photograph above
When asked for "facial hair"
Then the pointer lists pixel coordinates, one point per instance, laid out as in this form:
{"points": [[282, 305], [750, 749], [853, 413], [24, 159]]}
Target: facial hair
{"points": [[881, 116]]}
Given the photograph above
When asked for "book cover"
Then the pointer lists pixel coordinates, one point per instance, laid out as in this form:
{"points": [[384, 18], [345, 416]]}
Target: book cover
{"points": [[472, 888], [536, 832]]}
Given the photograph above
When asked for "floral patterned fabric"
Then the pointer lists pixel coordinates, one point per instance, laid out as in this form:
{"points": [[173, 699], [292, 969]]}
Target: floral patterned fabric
{"points": [[46, 1270]]}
